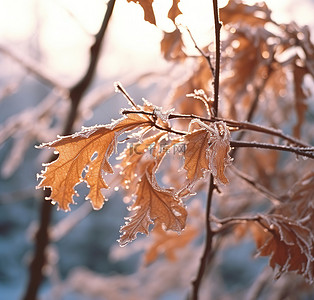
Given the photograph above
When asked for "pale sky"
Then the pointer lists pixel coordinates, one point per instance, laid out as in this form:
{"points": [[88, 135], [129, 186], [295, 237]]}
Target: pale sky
{"points": [[62, 29]]}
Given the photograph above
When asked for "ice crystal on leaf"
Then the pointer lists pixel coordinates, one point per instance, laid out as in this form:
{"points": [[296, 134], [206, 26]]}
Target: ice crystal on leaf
{"points": [[153, 205], [76, 152], [207, 149]]}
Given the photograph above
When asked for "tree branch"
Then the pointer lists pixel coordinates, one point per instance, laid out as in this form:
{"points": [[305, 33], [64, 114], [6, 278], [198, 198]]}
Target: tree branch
{"points": [[35, 68], [300, 151], [237, 125], [304, 150], [207, 253], [76, 92]]}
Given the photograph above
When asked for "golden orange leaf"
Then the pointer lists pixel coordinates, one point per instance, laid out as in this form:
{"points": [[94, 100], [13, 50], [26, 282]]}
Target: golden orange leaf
{"points": [[87, 150], [153, 205], [196, 159]]}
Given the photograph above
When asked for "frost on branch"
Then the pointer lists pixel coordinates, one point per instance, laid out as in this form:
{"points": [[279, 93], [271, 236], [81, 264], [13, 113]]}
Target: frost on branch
{"points": [[87, 150], [207, 149]]}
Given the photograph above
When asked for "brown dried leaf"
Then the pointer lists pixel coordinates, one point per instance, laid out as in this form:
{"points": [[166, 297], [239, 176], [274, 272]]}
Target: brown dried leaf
{"points": [[208, 149], [237, 12], [300, 97], [288, 243], [299, 204], [168, 243], [171, 46], [147, 6], [87, 150], [196, 160], [174, 10], [153, 205]]}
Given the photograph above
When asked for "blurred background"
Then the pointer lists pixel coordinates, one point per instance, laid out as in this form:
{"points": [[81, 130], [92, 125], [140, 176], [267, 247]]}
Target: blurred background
{"points": [[44, 49]]}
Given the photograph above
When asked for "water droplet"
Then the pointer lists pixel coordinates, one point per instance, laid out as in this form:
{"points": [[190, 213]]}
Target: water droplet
{"points": [[135, 174], [53, 202], [126, 199], [127, 187], [121, 172], [116, 188]]}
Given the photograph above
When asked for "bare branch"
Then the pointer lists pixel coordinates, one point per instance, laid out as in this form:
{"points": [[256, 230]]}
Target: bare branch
{"points": [[257, 186], [35, 68], [76, 93], [119, 88], [207, 56]]}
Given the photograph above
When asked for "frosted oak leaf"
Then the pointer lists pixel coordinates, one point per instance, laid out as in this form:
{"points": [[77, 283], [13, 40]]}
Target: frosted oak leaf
{"points": [[153, 205], [288, 243], [87, 150], [207, 149]]}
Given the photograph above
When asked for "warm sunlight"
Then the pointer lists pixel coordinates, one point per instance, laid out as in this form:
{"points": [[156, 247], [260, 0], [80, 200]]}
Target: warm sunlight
{"points": [[156, 149], [63, 30]]}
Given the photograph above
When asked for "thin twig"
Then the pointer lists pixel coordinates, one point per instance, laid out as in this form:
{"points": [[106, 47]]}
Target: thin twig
{"points": [[257, 186], [237, 125], [121, 89], [34, 68], [303, 151], [42, 238], [300, 151], [207, 56]]}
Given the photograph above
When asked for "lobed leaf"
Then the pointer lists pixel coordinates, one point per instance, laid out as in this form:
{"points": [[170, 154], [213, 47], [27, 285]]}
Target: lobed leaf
{"points": [[174, 10], [87, 150], [207, 150], [288, 243], [153, 205]]}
